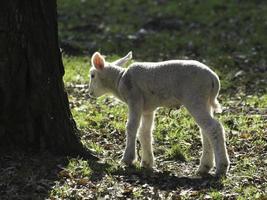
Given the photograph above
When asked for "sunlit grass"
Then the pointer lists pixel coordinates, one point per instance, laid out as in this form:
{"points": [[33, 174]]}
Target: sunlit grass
{"points": [[174, 129], [230, 38]]}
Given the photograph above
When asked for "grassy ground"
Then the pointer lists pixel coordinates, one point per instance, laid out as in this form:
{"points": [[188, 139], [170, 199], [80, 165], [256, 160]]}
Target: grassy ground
{"points": [[231, 38]]}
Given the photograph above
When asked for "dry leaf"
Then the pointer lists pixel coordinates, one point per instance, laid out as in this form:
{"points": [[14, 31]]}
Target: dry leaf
{"points": [[82, 181]]}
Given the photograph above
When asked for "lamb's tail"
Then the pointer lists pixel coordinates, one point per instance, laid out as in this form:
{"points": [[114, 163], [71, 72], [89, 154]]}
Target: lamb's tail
{"points": [[214, 94], [216, 106]]}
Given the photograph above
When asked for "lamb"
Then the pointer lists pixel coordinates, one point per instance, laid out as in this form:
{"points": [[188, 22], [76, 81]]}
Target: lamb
{"points": [[145, 86]]}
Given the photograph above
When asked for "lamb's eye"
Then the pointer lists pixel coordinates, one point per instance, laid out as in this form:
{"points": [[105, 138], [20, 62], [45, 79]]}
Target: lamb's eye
{"points": [[92, 76]]}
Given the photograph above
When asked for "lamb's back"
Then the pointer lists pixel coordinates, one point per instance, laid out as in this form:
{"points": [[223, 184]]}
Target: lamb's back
{"points": [[175, 79], [167, 73]]}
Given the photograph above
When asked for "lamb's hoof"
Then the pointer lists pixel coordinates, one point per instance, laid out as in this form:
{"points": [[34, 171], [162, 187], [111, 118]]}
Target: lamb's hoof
{"points": [[128, 160], [221, 171], [203, 170], [220, 174], [202, 174], [146, 164]]}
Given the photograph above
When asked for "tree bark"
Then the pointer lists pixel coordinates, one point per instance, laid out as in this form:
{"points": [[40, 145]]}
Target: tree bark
{"points": [[34, 108]]}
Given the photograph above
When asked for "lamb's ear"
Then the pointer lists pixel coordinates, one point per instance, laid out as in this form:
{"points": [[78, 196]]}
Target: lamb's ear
{"points": [[124, 60], [98, 61]]}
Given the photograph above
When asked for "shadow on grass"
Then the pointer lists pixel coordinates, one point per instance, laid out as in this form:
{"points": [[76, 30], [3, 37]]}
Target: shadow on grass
{"points": [[164, 180], [33, 176]]}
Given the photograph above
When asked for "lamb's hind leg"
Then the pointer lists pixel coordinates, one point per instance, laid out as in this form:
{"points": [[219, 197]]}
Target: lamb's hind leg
{"points": [[214, 131], [207, 158], [145, 138]]}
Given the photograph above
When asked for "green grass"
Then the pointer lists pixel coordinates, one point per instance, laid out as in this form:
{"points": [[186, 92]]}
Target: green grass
{"points": [[229, 37], [78, 69], [177, 139]]}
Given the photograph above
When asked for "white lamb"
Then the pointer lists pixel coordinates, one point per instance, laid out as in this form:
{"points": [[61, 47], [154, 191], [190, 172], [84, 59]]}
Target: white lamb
{"points": [[144, 86]]}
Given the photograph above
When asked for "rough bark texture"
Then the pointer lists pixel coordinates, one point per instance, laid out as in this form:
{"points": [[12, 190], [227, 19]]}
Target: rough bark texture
{"points": [[34, 109]]}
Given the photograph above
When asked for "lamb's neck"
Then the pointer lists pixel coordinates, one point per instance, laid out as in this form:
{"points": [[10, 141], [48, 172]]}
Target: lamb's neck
{"points": [[114, 74]]}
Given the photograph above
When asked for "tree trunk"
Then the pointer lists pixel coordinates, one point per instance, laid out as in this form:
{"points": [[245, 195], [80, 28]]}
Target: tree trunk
{"points": [[34, 109]]}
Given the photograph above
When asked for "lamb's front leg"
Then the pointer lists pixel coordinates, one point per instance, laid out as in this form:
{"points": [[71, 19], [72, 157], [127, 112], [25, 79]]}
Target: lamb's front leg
{"points": [[131, 130], [145, 138]]}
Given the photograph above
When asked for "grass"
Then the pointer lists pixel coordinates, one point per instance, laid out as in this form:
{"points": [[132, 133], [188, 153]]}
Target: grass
{"points": [[177, 144], [231, 38]]}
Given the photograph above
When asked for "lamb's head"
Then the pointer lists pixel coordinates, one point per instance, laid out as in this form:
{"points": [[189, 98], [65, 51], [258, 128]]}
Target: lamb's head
{"points": [[103, 74], [96, 86]]}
